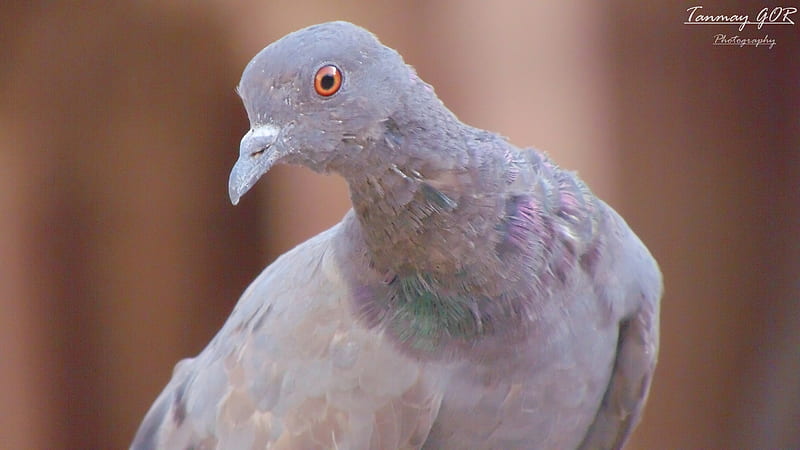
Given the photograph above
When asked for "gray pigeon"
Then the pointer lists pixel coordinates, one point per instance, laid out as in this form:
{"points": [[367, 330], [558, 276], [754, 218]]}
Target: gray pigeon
{"points": [[476, 296]]}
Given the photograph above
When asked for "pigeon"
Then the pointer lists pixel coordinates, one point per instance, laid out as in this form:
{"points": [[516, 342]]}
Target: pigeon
{"points": [[476, 296]]}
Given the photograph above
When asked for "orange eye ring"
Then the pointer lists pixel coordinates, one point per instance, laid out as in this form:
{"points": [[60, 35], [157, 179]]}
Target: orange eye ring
{"points": [[327, 80]]}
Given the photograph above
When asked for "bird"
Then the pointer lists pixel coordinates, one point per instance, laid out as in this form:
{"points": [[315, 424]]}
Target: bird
{"points": [[476, 295]]}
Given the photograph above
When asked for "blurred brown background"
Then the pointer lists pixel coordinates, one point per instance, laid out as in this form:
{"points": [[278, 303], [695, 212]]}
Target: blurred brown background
{"points": [[120, 252]]}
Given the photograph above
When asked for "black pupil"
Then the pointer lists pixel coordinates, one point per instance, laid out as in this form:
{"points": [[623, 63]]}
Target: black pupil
{"points": [[326, 82]]}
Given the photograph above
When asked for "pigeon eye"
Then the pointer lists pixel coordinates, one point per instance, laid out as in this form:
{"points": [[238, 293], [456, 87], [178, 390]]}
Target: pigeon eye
{"points": [[328, 80]]}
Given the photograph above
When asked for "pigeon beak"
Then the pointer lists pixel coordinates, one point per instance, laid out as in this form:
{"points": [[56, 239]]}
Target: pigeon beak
{"points": [[257, 153]]}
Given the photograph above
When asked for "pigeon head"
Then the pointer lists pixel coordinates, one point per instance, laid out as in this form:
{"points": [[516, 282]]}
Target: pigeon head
{"points": [[319, 97]]}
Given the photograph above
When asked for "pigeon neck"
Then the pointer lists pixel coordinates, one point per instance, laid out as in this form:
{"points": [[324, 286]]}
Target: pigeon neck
{"points": [[428, 270], [431, 213]]}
